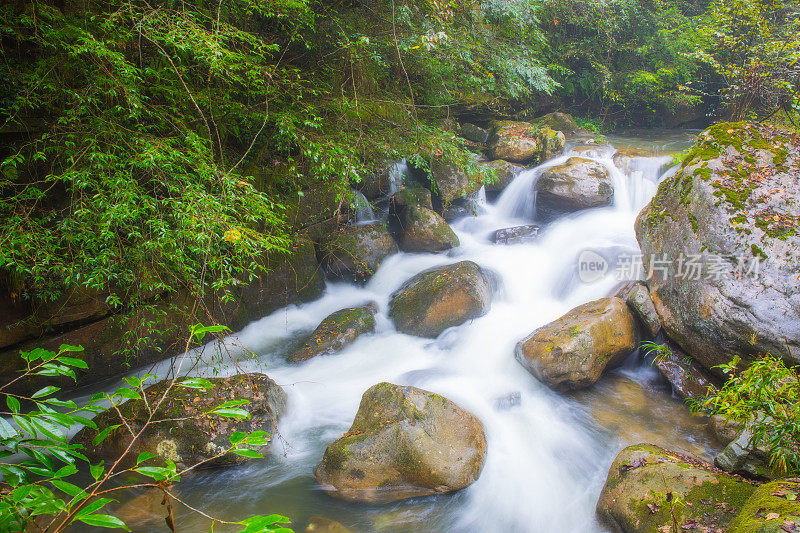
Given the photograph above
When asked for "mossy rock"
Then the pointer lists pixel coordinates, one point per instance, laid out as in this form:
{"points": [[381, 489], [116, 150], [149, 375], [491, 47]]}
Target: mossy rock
{"points": [[731, 209], [573, 351], [451, 182], [355, 252], [577, 184], [505, 172], [473, 133], [560, 121], [523, 142], [440, 298], [405, 442], [182, 431], [416, 226], [650, 490], [772, 508], [336, 331]]}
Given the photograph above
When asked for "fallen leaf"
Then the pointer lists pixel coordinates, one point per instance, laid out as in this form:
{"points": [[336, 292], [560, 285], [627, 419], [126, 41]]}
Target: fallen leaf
{"points": [[772, 516]]}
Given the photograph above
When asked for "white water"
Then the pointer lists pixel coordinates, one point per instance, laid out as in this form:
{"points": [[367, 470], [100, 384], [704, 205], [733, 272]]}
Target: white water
{"points": [[547, 456]]}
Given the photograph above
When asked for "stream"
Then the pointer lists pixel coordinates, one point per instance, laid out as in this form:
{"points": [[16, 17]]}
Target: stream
{"points": [[548, 454]]}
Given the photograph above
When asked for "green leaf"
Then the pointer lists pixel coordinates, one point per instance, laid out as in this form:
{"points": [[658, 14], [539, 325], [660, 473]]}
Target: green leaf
{"points": [[97, 471], [94, 506], [72, 361], [100, 437], [230, 413], [13, 404], [103, 520], [68, 348], [69, 488], [196, 383], [46, 391], [7, 431], [145, 456], [247, 452]]}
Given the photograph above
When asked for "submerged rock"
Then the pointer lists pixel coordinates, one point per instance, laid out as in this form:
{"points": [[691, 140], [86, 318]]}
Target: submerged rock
{"points": [[572, 186], [516, 235], [506, 172], [336, 331], [405, 442], [189, 436], [574, 351], [650, 490], [440, 298], [724, 232], [355, 252], [522, 142], [320, 524], [416, 226]]}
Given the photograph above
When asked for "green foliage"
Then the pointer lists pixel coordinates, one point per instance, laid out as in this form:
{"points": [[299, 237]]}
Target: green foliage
{"points": [[764, 397], [40, 468]]}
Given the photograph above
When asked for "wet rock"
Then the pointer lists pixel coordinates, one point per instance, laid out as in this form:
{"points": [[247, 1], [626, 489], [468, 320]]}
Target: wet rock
{"points": [[416, 226], [405, 442], [355, 252], [509, 401], [377, 184], [474, 133], [572, 186], [506, 172], [724, 430], [338, 330], [522, 142], [562, 122], [730, 210], [637, 296], [320, 524], [440, 298], [455, 212], [452, 182], [592, 150], [746, 457], [772, 508], [574, 351], [189, 436], [688, 379], [649, 490], [516, 235]]}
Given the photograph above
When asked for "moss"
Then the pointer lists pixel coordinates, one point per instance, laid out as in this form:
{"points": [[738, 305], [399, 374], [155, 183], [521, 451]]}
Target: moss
{"points": [[777, 498]]}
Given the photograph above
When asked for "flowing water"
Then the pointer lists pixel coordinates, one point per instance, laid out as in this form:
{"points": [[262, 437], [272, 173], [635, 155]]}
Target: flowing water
{"points": [[548, 454]]}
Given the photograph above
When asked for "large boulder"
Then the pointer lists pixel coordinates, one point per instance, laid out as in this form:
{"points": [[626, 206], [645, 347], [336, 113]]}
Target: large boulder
{"points": [[505, 172], [187, 435], [405, 442], [440, 298], [688, 379], [772, 508], [336, 331], [573, 351], [652, 490], [719, 240], [355, 252], [416, 226], [577, 184], [523, 142]]}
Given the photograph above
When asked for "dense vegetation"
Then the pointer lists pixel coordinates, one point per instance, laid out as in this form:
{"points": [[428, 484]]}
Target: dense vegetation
{"points": [[158, 147]]}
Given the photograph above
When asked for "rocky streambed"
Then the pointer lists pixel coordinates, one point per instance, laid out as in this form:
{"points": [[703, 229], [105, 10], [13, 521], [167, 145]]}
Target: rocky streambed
{"points": [[461, 373]]}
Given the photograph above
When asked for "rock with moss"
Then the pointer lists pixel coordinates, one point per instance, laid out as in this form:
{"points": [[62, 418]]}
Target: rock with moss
{"points": [[772, 508], [473, 133], [182, 430], [652, 490], [723, 230], [516, 235], [687, 378], [355, 252], [416, 226], [321, 524], [523, 142], [746, 456], [637, 296], [336, 331], [450, 182], [577, 184], [562, 122], [505, 172], [573, 351], [440, 298], [405, 442]]}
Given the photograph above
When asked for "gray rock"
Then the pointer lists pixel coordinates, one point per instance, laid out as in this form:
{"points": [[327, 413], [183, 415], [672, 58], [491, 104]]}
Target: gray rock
{"points": [[688, 379], [637, 296], [522, 142], [572, 186], [355, 252], [516, 235], [474, 133], [416, 226], [506, 172]]}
